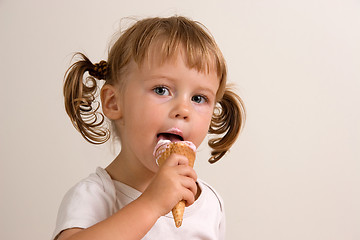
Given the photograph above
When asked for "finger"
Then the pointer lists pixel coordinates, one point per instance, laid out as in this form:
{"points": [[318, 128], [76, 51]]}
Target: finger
{"points": [[176, 159], [182, 160], [186, 171], [189, 198], [189, 184]]}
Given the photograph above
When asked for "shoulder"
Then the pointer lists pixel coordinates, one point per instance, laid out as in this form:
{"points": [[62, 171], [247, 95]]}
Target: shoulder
{"points": [[97, 189], [86, 203], [96, 183], [210, 192], [219, 214]]}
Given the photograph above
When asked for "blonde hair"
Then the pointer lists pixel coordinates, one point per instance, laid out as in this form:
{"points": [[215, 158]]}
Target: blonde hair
{"points": [[172, 33]]}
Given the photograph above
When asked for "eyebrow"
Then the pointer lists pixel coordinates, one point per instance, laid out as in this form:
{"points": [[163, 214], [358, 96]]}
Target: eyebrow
{"points": [[209, 91], [157, 76], [172, 79]]}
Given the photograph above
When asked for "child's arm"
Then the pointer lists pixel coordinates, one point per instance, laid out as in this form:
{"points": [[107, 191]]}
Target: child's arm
{"points": [[174, 181], [131, 222]]}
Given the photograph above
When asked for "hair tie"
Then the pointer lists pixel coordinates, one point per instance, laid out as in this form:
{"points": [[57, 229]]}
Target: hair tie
{"points": [[99, 70]]}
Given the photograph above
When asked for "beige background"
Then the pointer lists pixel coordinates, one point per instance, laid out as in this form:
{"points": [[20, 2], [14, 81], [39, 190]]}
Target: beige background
{"points": [[293, 174]]}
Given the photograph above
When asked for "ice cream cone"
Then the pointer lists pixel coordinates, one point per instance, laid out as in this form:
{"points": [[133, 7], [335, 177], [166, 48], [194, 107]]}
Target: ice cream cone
{"points": [[162, 151]]}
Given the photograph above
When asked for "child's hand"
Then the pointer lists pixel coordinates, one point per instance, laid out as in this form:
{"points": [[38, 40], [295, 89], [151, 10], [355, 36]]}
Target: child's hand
{"points": [[175, 181]]}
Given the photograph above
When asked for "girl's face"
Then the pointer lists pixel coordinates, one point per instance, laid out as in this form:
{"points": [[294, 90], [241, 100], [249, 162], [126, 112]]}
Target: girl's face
{"points": [[166, 100]]}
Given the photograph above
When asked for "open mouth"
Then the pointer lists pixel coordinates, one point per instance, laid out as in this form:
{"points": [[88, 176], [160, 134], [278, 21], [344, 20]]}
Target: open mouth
{"points": [[170, 136]]}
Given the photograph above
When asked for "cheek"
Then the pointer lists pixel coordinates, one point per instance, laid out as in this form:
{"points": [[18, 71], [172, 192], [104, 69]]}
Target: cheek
{"points": [[202, 127], [146, 116]]}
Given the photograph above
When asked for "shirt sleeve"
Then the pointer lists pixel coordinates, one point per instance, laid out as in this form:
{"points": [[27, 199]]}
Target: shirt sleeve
{"points": [[83, 206]]}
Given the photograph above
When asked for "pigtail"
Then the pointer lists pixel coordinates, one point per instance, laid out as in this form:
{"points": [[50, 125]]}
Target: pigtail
{"points": [[80, 99], [227, 121]]}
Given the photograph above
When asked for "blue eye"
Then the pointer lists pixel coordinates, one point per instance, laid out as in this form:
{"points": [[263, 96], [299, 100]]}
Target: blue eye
{"points": [[162, 91], [199, 99]]}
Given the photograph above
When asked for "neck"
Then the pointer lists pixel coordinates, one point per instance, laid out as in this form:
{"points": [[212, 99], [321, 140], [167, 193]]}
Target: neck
{"points": [[124, 170]]}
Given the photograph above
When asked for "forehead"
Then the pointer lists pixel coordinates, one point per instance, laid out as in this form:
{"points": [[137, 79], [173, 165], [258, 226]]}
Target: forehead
{"points": [[159, 53], [156, 62]]}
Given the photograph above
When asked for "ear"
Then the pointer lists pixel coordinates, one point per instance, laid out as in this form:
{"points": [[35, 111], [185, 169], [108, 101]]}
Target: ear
{"points": [[110, 100]]}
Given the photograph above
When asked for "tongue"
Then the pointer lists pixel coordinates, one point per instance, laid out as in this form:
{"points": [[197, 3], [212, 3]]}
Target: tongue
{"points": [[170, 137]]}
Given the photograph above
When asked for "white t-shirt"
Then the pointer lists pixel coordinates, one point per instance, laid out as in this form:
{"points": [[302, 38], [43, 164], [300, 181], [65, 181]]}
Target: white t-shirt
{"points": [[97, 197]]}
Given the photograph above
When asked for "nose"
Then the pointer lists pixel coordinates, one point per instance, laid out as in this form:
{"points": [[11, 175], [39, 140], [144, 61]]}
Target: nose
{"points": [[181, 110]]}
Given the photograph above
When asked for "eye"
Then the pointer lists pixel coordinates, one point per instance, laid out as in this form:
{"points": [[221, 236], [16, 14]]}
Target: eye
{"points": [[161, 90], [199, 99]]}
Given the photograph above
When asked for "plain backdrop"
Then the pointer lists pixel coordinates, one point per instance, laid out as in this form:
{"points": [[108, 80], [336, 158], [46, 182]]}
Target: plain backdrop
{"points": [[293, 174]]}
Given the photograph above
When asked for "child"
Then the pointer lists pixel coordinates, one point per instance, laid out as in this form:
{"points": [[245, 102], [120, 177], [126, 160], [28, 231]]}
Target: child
{"points": [[164, 78]]}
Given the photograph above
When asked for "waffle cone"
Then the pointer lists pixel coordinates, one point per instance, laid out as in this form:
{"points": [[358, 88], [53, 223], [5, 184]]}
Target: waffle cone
{"points": [[161, 155]]}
